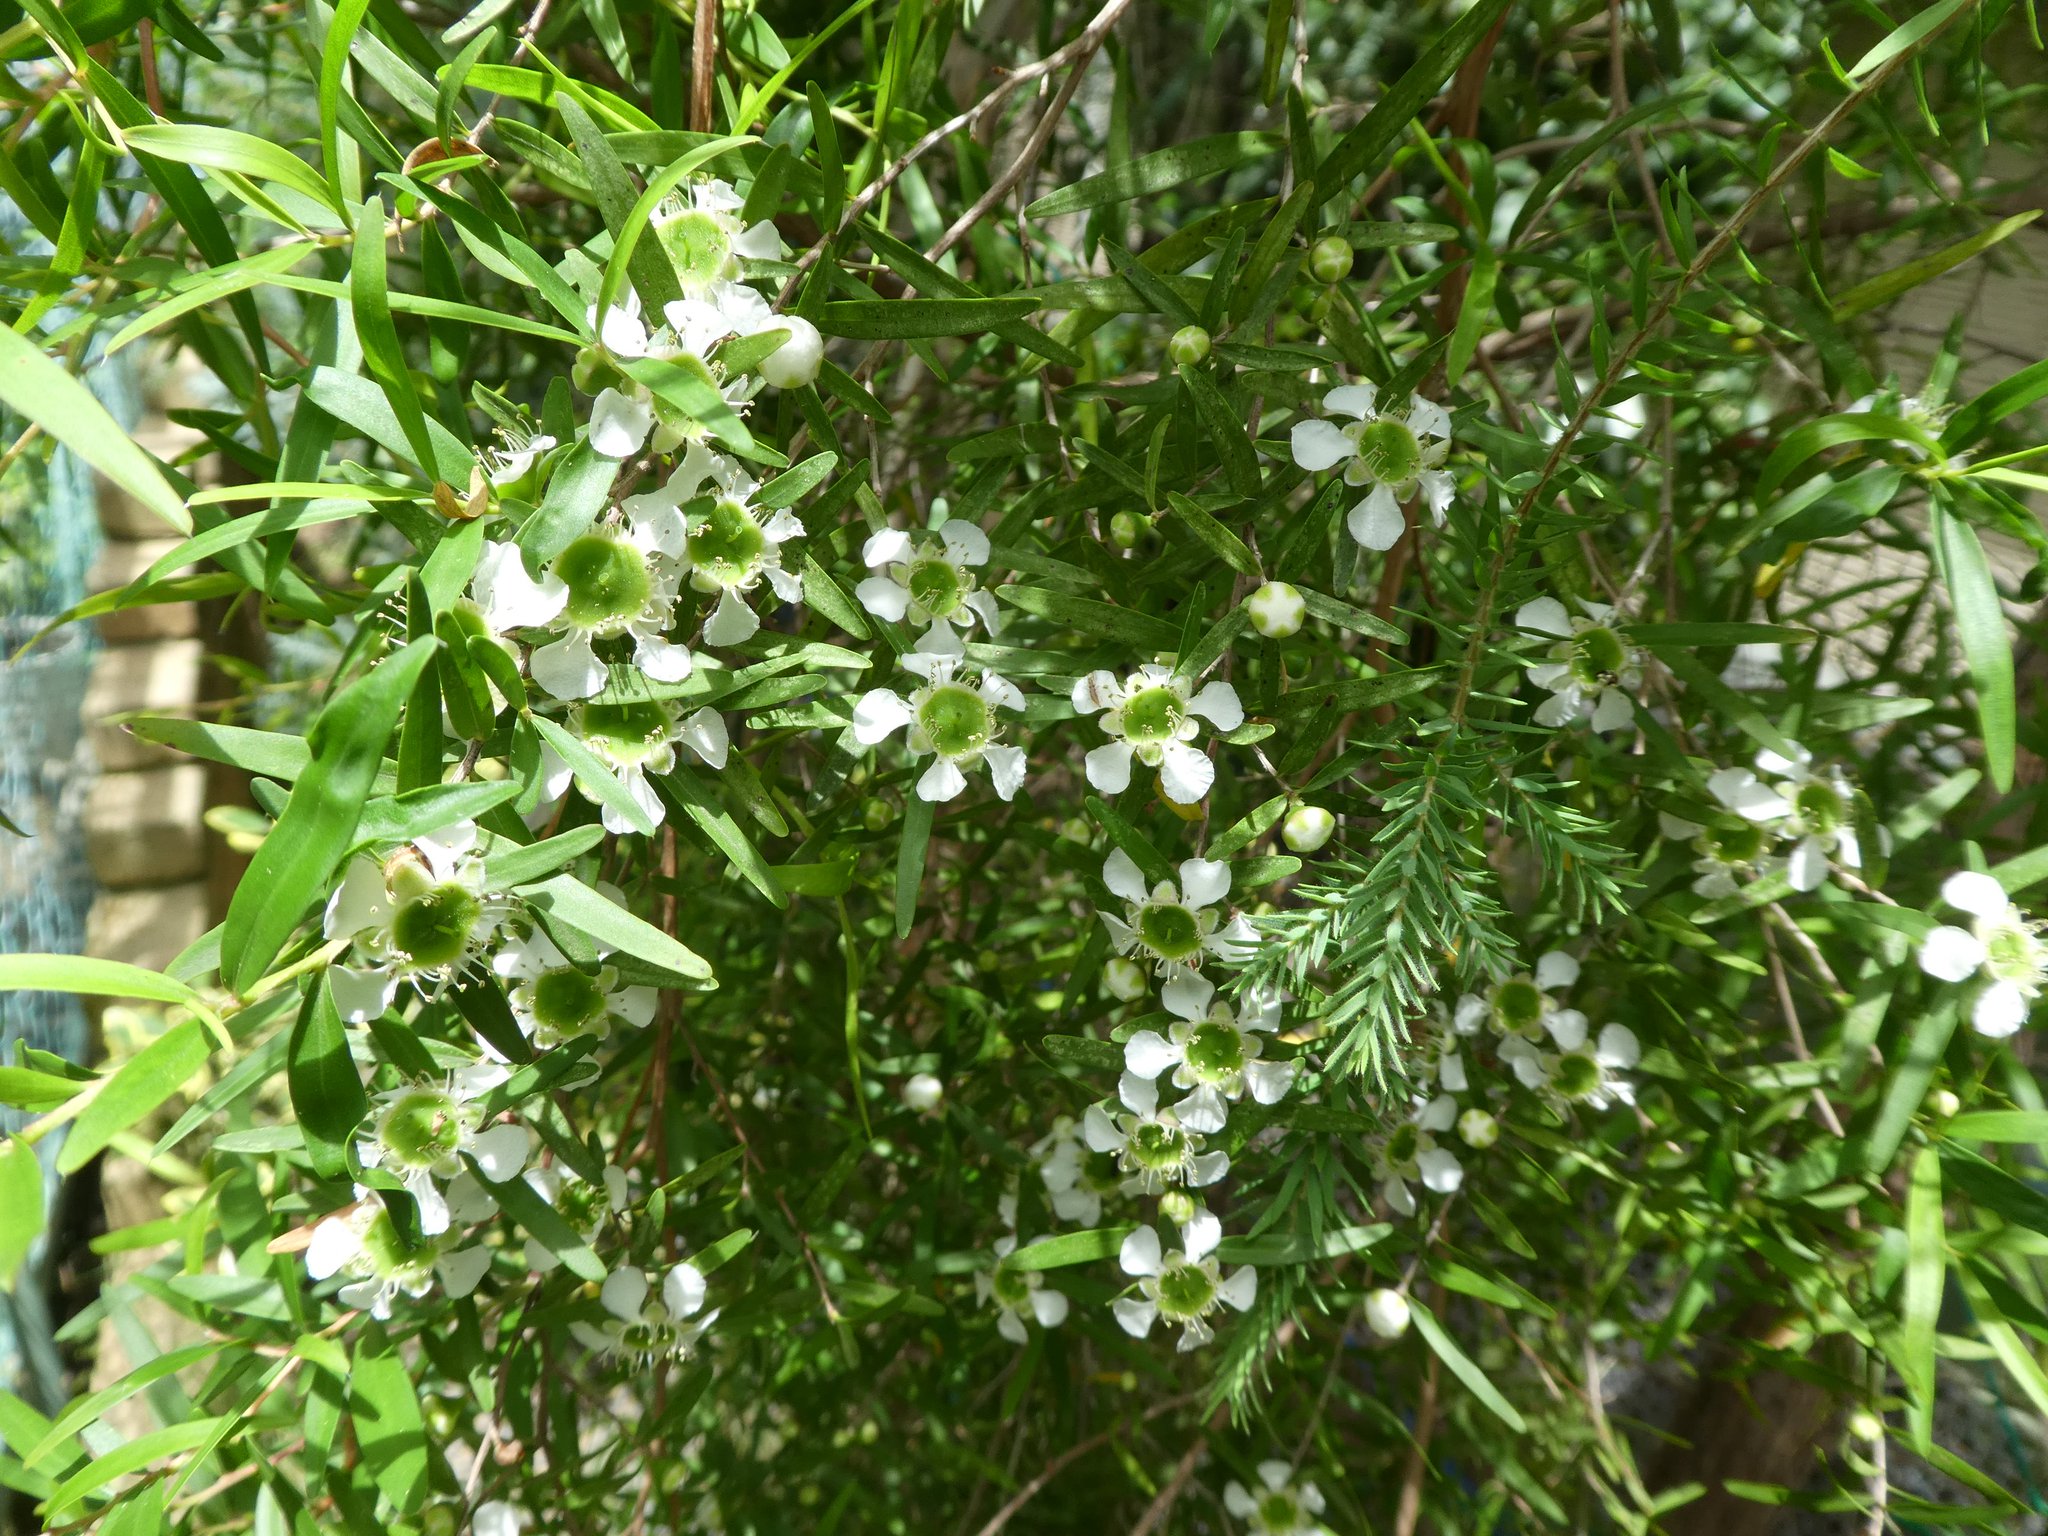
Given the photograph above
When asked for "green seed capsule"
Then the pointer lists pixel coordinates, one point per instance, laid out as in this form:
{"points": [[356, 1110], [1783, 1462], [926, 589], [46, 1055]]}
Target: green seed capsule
{"points": [[1330, 259], [1190, 344]]}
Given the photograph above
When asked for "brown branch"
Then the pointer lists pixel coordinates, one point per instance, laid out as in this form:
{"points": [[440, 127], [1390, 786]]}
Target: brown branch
{"points": [[1068, 1457], [703, 65]]}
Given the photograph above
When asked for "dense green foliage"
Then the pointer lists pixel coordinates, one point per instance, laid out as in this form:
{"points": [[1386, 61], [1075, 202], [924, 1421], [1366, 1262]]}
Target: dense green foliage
{"points": [[835, 579]]}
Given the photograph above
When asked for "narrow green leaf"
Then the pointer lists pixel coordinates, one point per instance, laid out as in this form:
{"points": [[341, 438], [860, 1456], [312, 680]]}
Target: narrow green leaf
{"points": [[1463, 1367], [96, 978], [1980, 625], [1157, 171], [230, 150], [1926, 1264], [918, 816], [21, 1206], [1070, 1248], [1224, 544], [143, 1082], [903, 319], [1904, 37], [1886, 286], [326, 1088], [569, 901], [701, 805], [596, 781]]}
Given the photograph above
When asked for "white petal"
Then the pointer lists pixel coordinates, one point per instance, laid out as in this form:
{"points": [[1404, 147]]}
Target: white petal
{"points": [[1203, 1110], [624, 1293], [1238, 1502], [731, 622], [884, 598], [1450, 1072], [1099, 1131], [2000, 1011], [1149, 1053], [965, 543], [1951, 954], [619, 424], [1270, 1080], [494, 1517], [1096, 691], [877, 713], [704, 734], [1218, 704], [461, 1271], [1204, 882], [941, 782], [1234, 942], [1318, 445], [1049, 1307], [1808, 865], [1614, 710], [1006, 769], [1011, 1327], [1556, 969], [1109, 767], [1376, 522], [622, 331], [1567, 1027], [334, 1243], [682, 1291], [1241, 1289], [1188, 993], [569, 668], [360, 995], [1135, 1316], [1677, 828], [1440, 1170], [1439, 1114], [500, 1152], [1184, 774], [662, 660], [1426, 418], [358, 903], [1975, 893], [887, 546], [1139, 1095], [511, 599], [1546, 615], [1398, 1197], [1559, 709], [432, 1203], [1208, 1168], [759, 242], [1121, 874], [1200, 1234], [1140, 1253], [1618, 1047]]}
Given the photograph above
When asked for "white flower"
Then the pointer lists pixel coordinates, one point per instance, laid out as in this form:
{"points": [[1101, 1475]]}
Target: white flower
{"points": [[1387, 1313], [584, 1206], [554, 1001], [1076, 1191], [1182, 1285], [494, 1517], [1410, 1151], [1016, 1292], [361, 1245], [1523, 1005], [1212, 1050], [1819, 816], [1395, 455], [1578, 1073], [643, 1326], [507, 465], [1593, 672], [636, 739], [699, 325], [727, 545], [928, 576], [923, 1093], [1151, 716], [796, 362], [2002, 951], [1726, 857], [948, 717], [1175, 925], [699, 225], [1280, 1506], [424, 915], [422, 1130], [1159, 1148]]}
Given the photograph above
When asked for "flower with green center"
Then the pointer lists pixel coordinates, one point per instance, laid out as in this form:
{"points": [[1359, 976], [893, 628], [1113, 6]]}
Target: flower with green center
{"points": [[1580, 1071], [1824, 816], [1175, 925], [635, 738], [643, 1327], [1397, 455], [510, 468], [1522, 1005], [1592, 672], [1158, 1148], [424, 914], [361, 1245], [1410, 1151], [1015, 1292], [928, 576], [730, 546], [700, 226], [951, 715], [1212, 1051], [1279, 1506], [1076, 1179], [2002, 954], [1151, 716], [626, 411], [587, 1208], [422, 1131], [1183, 1285], [554, 1001], [1727, 854]]}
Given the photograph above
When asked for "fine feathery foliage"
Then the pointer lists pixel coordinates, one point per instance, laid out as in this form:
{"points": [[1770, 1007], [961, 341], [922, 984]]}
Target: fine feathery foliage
{"points": [[1213, 766]]}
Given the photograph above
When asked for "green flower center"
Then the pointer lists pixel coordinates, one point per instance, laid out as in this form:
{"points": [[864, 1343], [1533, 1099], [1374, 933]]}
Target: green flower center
{"points": [[567, 1001], [1158, 1147], [1152, 714], [607, 580], [434, 928], [1820, 808], [936, 587], [382, 1253], [1518, 1004], [1403, 1145], [1279, 1512], [1215, 1052], [699, 246], [1389, 452], [726, 550], [1739, 845], [1185, 1291], [1170, 932], [956, 720], [1576, 1076], [652, 1335], [626, 734], [1010, 1288], [421, 1129], [1599, 656], [2014, 954]]}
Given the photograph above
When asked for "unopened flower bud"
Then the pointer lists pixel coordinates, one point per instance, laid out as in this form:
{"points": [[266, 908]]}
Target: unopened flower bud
{"points": [[1307, 828], [1190, 344], [588, 368], [1177, 1206], [1478, 1129], [797, 360], [876, 813], [1386, 1313], [923, 1092], [1330, 259], [1123, 979], [1125, 529], [1942, 1103], [1865, 1425], [1276, 610]]}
